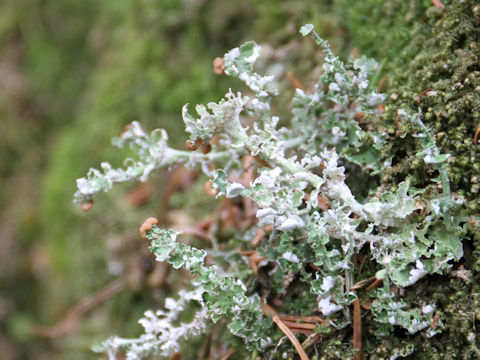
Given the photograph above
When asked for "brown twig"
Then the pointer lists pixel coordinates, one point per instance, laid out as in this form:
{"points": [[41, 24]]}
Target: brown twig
{"points": [[301, 328], [228, 355], [205, 349], [294, 81], [381, 84], [253, 258], [373, 285], [258, 237], [212, 354], [362, 283], [193, 231], [157, 278], [70, 320], [268, 310], [293, 324], [260, 234], [140, 194], [180, 179], [302, 318], [357, 329], [284, 328], [361, 264], [302, 331]]}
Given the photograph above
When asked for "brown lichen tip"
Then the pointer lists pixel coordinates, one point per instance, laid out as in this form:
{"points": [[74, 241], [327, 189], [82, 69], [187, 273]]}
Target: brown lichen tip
{"points": [[209, 189], [147, 225], [193, 146], [218, 67], [206, 148], [86, 206]]}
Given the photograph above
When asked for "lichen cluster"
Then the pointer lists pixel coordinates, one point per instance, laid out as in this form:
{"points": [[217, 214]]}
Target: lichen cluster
{"points": [[314, 231]]}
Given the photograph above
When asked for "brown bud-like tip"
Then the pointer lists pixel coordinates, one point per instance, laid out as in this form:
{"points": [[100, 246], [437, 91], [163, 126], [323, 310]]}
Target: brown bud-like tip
{"points": [[206, 148], [147, 225], [218, 67], [381, 108], [125, 130], [209, 189], [358, 116], [86, 206], [193, 146]]}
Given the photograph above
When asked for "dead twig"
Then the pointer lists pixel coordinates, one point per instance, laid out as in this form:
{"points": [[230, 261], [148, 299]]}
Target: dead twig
{"points": [[302, 318], [361, 264], [156, 279], [362, 283], [301, 328], [284, 328], [228, 355], [254, 259], [260, 234], [381, 84], [71, 319], [357, 329], [193, 231], [293, 324], [140, 194], [373, 285], [294, 81], [267, 310], [205, 349], [258, 237]]}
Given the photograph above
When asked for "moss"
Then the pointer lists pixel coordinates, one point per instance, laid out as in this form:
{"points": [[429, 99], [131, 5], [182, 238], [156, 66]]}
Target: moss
{"points": [[436, 71], [432, 65]]}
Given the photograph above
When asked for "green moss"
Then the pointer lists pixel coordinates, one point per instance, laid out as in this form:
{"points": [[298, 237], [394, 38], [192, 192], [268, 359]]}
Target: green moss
{"points": [[432, 65]]}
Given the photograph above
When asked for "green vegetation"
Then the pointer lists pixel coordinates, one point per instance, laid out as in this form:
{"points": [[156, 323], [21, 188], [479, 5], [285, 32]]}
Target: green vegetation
{"points": [[77, 72]]}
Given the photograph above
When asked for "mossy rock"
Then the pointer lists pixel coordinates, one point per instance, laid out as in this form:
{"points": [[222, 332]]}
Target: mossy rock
{"points": [[432, 58]]}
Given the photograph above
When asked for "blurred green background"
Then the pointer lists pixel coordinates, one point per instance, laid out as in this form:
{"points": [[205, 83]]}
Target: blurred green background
{"points": [[72, 75]]}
